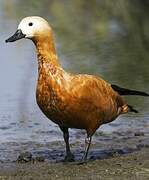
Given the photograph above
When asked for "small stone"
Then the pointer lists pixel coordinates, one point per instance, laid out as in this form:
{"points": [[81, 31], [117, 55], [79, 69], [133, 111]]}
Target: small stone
{"points": [[25, 157], [139, 134], [40, 159]]}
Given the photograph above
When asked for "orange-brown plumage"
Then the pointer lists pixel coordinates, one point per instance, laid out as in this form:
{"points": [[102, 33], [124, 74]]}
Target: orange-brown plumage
{"points": [[70, 100]]}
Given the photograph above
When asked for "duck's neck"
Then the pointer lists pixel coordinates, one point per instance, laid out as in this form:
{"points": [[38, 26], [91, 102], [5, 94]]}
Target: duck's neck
{"points": [[46, 52]]}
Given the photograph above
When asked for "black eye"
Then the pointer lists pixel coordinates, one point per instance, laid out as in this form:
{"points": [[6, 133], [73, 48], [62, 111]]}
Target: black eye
{"points": [[30, 24]]}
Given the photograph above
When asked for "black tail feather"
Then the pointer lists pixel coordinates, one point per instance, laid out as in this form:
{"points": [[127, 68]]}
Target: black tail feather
{"points": [[124, 91], [131, 109]]}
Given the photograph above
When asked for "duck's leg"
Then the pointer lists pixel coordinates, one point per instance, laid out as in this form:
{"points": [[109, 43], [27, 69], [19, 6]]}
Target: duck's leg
{"points": [[69, 156], [87, 146]]}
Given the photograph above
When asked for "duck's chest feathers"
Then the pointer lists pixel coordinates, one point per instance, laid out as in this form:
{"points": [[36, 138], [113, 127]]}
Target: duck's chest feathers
{"points": [[49, 93]]}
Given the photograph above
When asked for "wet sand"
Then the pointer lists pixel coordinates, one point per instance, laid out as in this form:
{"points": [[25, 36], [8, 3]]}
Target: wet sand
{"points": [[133, 166], [122, 154], [115, 156], [119, 154]]}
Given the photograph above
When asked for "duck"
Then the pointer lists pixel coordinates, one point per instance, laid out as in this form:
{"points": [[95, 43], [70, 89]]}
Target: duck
{"points": [[80, 101]]}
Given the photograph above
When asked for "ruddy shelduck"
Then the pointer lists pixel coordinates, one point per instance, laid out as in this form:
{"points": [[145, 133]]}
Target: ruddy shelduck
{"points": [[71, 100]]}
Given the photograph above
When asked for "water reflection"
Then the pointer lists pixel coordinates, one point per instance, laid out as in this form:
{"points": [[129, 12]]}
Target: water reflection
{"points": [[109, 38]]}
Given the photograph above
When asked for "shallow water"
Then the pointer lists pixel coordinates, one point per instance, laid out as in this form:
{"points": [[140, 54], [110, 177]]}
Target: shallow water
{"points": [[90, 38]]}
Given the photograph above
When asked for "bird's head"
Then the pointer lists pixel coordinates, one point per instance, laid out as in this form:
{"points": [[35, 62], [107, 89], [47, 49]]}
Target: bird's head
{"points": [[33, 27]]}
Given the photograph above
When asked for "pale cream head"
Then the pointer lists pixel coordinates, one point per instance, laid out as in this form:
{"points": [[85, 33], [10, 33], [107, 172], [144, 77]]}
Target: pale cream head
{"points": [[33, 26], [39, 31]]}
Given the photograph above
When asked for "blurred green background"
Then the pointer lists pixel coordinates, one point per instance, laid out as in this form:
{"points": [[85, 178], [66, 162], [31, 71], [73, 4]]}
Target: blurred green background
{"points": [[104, 37]]}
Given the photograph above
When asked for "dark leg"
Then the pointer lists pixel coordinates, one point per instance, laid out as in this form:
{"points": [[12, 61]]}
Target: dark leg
{"points": [[69, 156], [87, 146]]}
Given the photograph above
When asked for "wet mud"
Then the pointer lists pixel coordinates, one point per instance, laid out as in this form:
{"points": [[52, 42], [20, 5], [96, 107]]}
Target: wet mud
{"points": [[116, 155]]}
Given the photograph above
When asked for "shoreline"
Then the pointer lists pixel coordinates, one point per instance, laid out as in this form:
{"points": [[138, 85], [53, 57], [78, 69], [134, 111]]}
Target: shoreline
{"points": [[133, 165]]}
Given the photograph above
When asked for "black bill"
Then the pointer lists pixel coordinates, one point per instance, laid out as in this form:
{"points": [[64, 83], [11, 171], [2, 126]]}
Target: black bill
{"points": [[18, 35]]}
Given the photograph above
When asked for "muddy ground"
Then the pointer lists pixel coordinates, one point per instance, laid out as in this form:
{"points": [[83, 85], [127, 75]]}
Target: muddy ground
{"points": [[114, 157], [133, 166]]}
